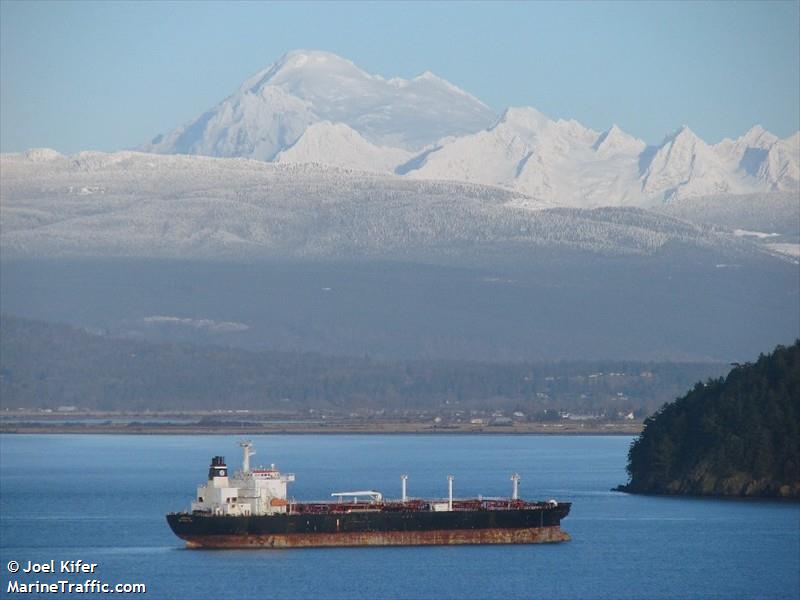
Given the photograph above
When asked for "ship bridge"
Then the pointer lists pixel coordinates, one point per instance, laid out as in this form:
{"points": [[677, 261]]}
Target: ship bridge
{"points": [[258, 491]]}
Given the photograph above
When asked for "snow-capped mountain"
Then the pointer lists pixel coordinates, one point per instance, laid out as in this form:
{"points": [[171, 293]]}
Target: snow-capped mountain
{"points": [[756, 141], [684, 165], [271, 110], [780, 169], [316, 107], [568, 164], [560, 161]]}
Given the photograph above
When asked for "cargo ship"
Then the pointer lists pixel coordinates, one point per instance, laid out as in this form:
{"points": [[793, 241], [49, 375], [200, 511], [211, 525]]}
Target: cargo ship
{"points": [[251, 509]]}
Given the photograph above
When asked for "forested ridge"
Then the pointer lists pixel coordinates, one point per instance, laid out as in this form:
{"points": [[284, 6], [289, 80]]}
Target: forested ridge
{"points": [[733, 436], [46, 365]]}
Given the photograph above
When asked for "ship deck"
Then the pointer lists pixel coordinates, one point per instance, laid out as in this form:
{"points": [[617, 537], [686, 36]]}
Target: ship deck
{"points": [[417, 505]]}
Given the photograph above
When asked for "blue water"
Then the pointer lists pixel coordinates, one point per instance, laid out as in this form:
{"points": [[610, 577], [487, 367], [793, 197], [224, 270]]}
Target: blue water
{"points": [[103, 498]]}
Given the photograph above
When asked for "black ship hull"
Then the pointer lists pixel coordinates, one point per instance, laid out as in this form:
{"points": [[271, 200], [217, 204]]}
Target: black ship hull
{"points": [[537, 524]]}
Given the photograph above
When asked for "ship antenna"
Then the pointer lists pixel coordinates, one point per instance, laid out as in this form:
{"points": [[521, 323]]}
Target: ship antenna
{"points": [[247, 452]]}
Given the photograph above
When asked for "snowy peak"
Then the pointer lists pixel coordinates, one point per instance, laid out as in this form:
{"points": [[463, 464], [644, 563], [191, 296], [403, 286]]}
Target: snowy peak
{"points": [[430, 76], [341, 146], [314, 60], [565, 163], [793, 141], [685, 165], [681, 137], [254, 124], [312, 106], [525, 150], [308, 72], [780, 169], [494, 156], [525, 118], [271, 110], [757, 137], [614, 141], [433, 80], [542, 135], [768, 162]]}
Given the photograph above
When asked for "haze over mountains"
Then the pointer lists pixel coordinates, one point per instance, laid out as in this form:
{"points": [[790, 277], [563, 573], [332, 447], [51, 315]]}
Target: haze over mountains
{"points": [[322, 208], [314, 258], [312, 106]]}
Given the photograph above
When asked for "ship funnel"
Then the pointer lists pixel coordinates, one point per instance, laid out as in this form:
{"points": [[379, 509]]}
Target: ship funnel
{"points": [[217, 468], [247, 452]]}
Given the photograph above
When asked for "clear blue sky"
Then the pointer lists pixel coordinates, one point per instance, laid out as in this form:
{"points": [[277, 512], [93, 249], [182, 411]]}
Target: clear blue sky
{"points": [[110, 75]]}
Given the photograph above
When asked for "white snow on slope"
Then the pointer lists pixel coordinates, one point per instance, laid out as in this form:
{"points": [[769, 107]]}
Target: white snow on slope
{"points": [[272, 109], [568, 164], [206, 324], [780, 170], [560, 161], [773, 213], [316, 107], [614, 141], [757, 234], [684, 165], [341, 146], [788, 249], [734, 151], [200, 207]]}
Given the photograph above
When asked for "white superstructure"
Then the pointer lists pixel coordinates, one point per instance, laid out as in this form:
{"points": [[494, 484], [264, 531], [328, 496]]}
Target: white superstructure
{"points": [[259, 491]]}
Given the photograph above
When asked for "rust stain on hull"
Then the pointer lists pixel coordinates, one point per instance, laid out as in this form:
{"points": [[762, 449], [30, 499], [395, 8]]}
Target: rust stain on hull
{"points": [[537, 535]]}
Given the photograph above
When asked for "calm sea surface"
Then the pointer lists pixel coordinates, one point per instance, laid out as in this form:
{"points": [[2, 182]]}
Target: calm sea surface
{"points": [[102, 499]]}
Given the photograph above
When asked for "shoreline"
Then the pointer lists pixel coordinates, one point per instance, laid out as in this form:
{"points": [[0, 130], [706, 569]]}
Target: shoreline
{"points": [[623, 488], [338, 429]]}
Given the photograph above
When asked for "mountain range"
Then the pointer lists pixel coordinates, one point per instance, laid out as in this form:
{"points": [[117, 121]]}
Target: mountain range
{"points": [[316, 107], [134, 204], [274, 108], [320, 208]]}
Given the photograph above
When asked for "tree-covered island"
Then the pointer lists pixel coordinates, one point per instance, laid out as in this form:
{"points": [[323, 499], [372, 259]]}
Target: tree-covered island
{"points": [[734, 436]]}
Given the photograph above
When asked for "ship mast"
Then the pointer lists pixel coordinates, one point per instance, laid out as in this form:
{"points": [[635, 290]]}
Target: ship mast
{"points": [[515, 486], [450, 479], [247, 452]]}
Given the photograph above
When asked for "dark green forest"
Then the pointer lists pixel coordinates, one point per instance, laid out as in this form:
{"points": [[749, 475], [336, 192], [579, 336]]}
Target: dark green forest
{"points": [[734, 436], [45, 365]]}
